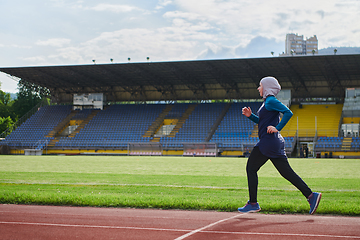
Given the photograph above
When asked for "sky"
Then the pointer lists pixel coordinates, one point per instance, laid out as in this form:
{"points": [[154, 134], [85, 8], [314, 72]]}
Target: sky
{"points": [[71, 32]]}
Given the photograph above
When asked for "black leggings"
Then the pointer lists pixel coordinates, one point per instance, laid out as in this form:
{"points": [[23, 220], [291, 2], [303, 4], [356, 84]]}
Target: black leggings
{"points": [[257, 160]]}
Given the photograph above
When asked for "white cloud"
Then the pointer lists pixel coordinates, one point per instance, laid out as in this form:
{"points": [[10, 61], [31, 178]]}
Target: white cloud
{"points": [[163, 3], [114, 8], [214, 51], [71, 54], [54, 42], [7, 84], [188, 30], [179, 42], [35, 59], [15, 46], [257, 47], [184, 15], [274, 19], [76, 32]]}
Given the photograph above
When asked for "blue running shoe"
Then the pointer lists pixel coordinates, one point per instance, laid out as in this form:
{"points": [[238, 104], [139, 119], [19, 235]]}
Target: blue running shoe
{"points": [[314, 200], [248, 208]]}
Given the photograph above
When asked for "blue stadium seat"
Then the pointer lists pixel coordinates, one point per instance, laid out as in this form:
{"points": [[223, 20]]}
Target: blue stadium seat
{"points": [[32, 133]]}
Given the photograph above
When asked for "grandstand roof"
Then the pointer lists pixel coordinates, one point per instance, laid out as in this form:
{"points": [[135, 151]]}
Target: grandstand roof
{"points": [[307, 76]]}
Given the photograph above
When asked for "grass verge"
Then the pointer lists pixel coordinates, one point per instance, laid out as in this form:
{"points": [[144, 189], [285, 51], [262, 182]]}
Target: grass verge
{"points": [[174, 183]]}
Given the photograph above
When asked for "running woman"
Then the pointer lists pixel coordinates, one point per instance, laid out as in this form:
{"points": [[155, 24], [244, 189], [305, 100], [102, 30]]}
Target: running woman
{"points": [[271, 146]]}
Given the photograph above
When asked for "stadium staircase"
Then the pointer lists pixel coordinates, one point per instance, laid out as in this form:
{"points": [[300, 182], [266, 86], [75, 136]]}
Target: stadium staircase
{"points": [[235, 129], [84, 122], [157, 124], [54, 134], [346, 144], [114, 127], [118, 125], [255, 131], [37, 129], [155, 139], [218, 121], [182, 120]]}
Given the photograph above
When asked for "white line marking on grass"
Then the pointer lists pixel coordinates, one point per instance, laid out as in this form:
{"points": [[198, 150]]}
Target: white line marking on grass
{"points": [[170, 186], [92, 226], [200, 229], [125, 184]]}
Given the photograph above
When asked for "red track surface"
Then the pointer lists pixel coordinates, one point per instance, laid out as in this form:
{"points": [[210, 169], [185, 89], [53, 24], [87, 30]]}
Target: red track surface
{"points": [[47, 222]]}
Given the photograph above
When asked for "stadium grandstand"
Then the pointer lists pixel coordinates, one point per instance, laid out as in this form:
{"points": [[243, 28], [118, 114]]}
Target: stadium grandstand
{"points": [[189, 108]]}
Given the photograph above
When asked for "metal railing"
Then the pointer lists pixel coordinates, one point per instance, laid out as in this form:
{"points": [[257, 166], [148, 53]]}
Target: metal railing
{"points": [[336, 149]]}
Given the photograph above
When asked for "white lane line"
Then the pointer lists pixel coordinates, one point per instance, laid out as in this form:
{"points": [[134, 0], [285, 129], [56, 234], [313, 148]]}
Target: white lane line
{"points": [[92, 226], [87, 214], [201, 229], [284, 234]]}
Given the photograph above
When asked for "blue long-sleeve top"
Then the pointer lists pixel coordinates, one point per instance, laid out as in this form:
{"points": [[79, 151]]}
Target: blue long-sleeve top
{"points": [[271, 145]]}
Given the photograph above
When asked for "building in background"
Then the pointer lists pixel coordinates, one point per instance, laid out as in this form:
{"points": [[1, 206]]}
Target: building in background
{"points": [[296, 45], [311, 45]]}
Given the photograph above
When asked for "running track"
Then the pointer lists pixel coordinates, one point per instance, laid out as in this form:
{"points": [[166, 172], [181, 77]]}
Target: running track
{"points": [[48, 222]]}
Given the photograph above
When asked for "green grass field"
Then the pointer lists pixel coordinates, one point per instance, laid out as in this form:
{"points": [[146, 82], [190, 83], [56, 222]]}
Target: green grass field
{"points": [[175, 183]]}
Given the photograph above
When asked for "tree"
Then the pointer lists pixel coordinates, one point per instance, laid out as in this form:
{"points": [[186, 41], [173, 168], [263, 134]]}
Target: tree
{"points": [[5, 123], [6, 105], [5, 98], [7, 116], [29, 96]]}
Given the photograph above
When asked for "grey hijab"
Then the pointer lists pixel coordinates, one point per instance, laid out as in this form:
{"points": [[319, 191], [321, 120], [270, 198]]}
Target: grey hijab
{"points": [[271, 86]]}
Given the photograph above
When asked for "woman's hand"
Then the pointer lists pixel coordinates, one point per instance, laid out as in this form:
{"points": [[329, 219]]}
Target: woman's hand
{"points": [[246, 111], [271, 129]]}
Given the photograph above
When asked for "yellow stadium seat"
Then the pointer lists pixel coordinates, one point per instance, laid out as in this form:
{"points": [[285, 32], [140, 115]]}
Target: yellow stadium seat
{"points": [[323, 118]]}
